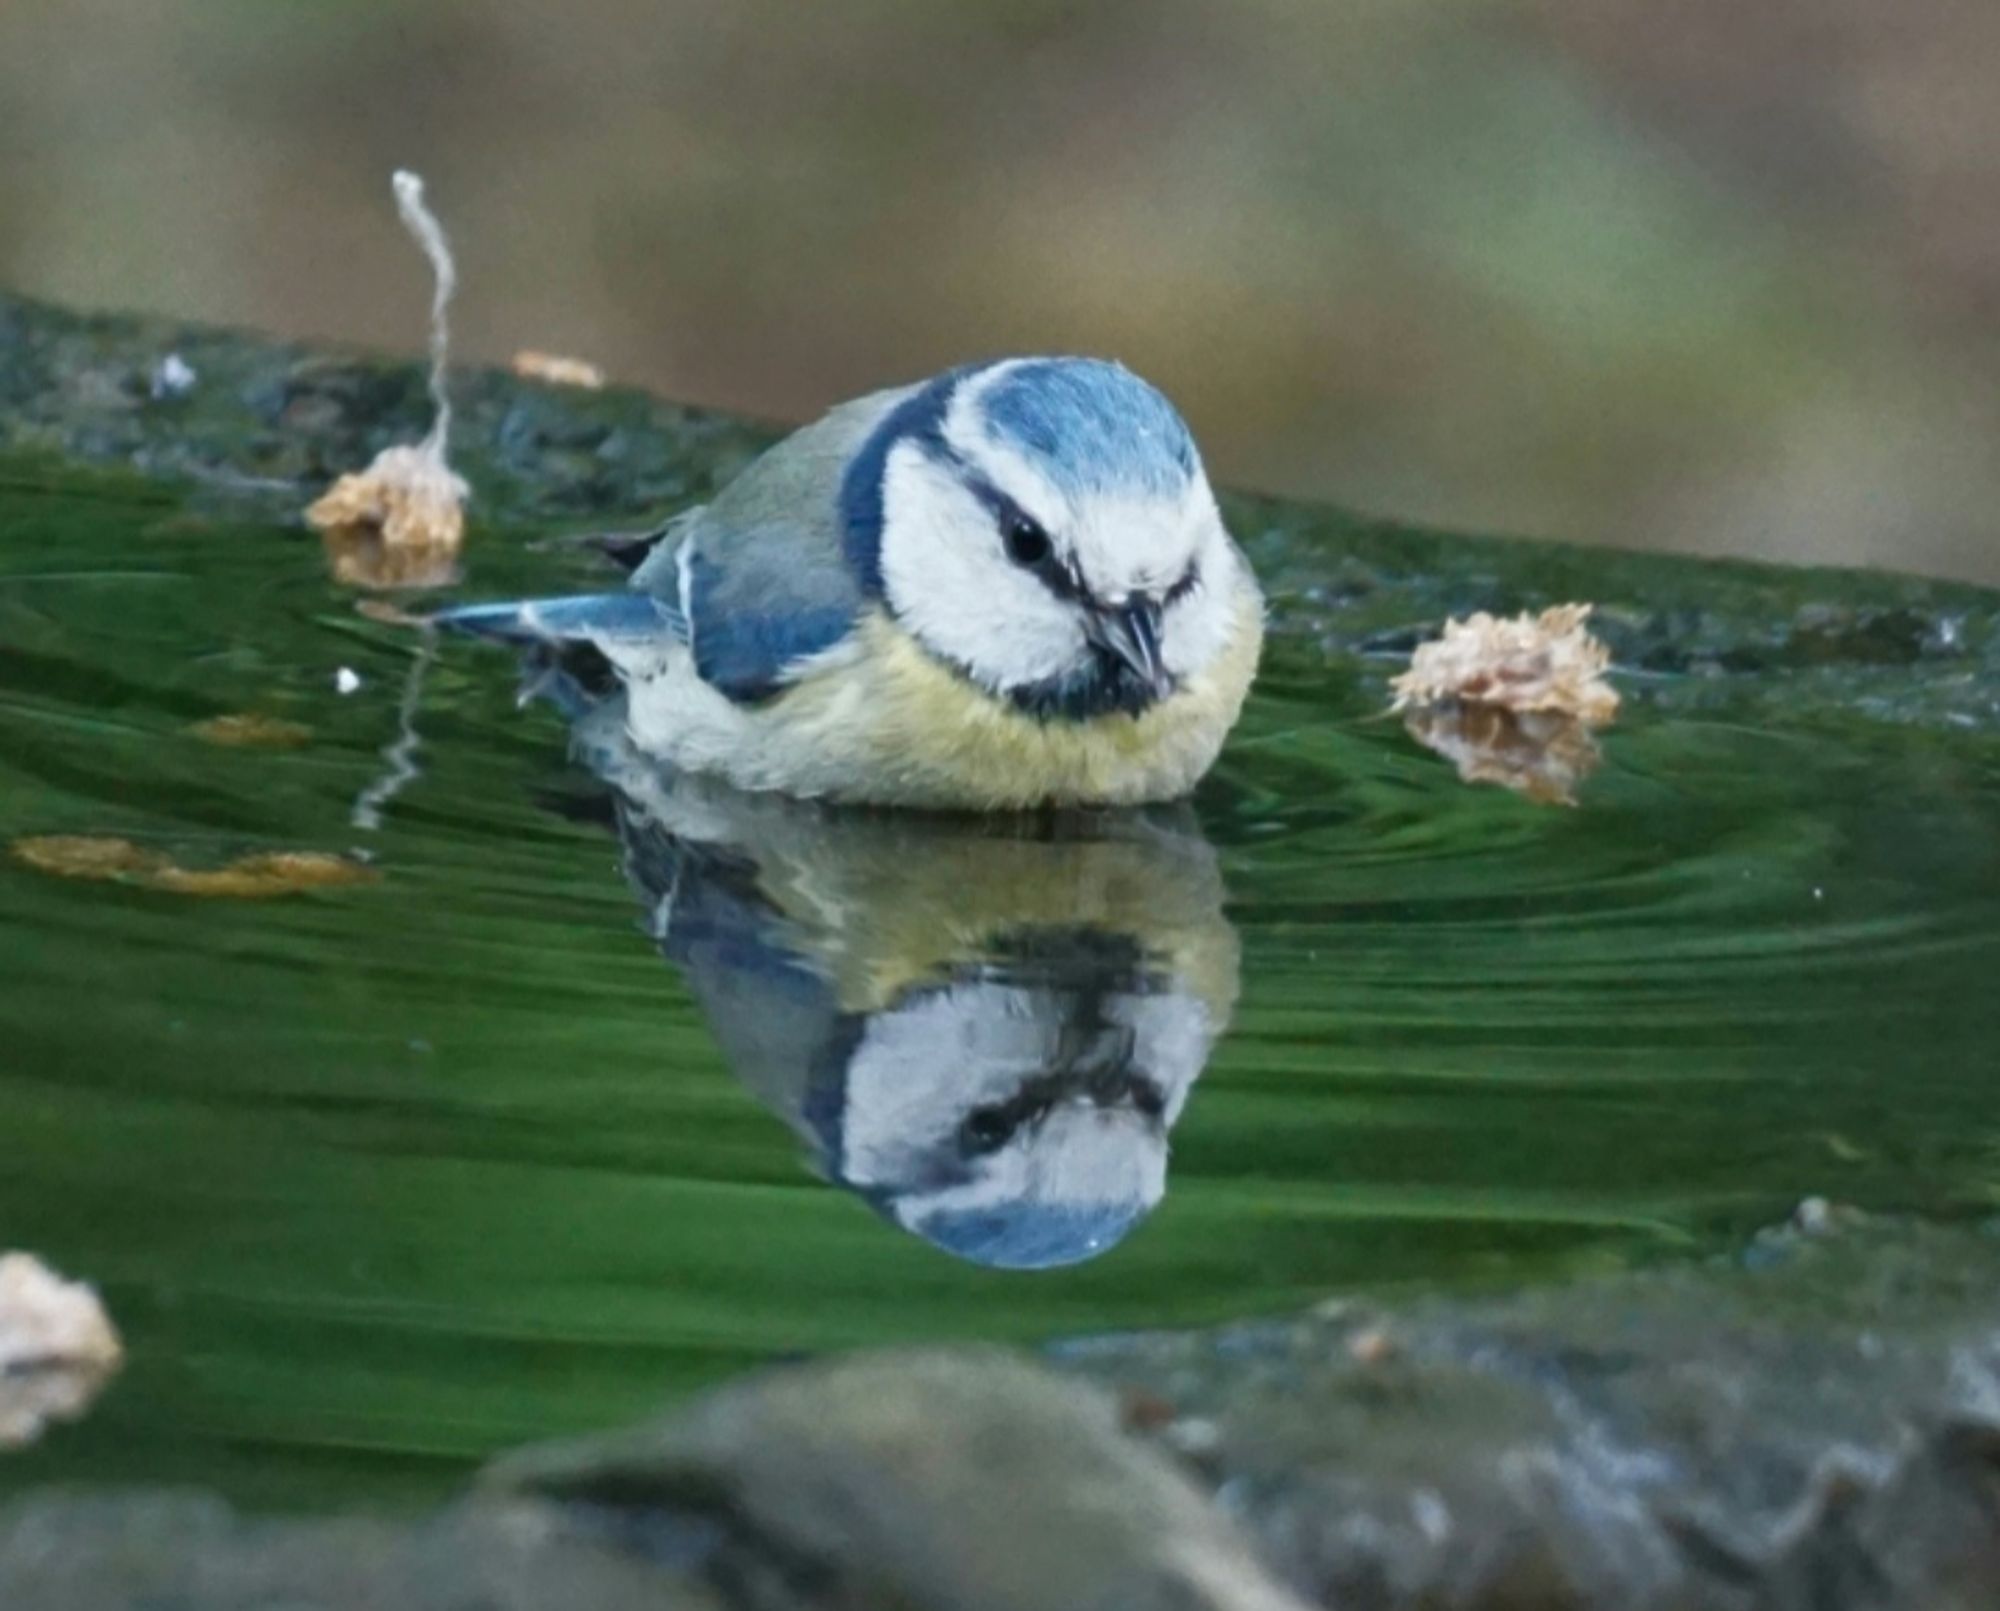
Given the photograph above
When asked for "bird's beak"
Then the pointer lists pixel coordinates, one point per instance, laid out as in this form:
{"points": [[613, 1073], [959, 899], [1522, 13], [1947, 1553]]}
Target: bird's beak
{"points": [[1131, 632]]}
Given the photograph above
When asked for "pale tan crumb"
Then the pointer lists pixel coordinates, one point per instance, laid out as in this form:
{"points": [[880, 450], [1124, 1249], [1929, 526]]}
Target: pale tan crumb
{"points": [[1542, 754], [557, 370], [1548, 662], [57, 1348], [398, 523]]}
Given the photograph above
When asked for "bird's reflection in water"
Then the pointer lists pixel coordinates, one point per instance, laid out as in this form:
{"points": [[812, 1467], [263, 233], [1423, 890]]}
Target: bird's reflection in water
{"points": [[986, 1027]]}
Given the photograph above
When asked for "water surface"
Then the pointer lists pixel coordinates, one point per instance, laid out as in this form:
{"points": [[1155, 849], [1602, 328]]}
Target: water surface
{"points": [[380, 1178]]}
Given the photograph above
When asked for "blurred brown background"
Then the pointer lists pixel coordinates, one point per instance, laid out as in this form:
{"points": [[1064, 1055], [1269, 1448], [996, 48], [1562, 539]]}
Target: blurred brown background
{"points": [[1706, 274]]}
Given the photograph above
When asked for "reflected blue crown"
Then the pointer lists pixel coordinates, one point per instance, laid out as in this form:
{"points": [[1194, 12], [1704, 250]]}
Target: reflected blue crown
{"points": [[1030, 1236]]}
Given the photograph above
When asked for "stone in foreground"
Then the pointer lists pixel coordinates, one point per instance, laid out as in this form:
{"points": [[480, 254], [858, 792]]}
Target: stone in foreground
{"points": [[174, 1552], [962, 1480], [1813, 1427]]}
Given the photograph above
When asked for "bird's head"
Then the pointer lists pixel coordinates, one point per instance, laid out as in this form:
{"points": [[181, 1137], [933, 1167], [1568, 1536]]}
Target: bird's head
{"points": [[1045, 526]]}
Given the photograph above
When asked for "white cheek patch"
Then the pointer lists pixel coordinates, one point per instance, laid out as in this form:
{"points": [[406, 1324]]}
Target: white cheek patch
{"points": [[951, 586], [1172, 1035], [919, 1072], [1200, 625]]}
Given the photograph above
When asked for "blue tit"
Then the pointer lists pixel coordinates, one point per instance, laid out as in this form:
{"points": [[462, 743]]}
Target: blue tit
{"points": [[985, 1027], [1007, 587]]}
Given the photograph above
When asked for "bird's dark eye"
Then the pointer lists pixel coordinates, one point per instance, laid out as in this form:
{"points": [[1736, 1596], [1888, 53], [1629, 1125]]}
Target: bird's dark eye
{"points": [[985, 1130], [1027, 544]]}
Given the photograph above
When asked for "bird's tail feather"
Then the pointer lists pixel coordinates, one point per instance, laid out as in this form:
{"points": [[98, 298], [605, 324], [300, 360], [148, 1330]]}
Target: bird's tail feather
{"points": [[606, 619]]}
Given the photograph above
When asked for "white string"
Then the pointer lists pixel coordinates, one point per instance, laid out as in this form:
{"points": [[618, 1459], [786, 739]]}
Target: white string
{"points": [[429, 234], [399, 755]]}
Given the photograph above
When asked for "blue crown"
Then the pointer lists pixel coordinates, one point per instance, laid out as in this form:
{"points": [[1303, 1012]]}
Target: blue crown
{"points": [[1092, 427]]}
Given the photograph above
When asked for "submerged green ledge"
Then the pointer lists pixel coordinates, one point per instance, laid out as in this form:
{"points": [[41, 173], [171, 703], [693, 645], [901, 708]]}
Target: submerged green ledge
{"points": [[265, 425]]}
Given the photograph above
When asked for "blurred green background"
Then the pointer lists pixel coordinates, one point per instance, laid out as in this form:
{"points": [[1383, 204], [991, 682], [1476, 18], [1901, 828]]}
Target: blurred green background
{"points": [[1670, 273]]}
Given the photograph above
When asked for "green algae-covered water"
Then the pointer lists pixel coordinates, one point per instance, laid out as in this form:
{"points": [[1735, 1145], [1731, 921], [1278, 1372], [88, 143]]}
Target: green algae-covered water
{"points": [[382, 1175]]}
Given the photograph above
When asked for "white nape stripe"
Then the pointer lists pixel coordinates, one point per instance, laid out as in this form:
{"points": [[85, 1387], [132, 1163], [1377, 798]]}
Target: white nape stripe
{"points": [[684, 579], [966, 434]]}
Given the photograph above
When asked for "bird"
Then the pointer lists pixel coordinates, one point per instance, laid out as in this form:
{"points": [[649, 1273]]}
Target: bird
{"points": [[1006, 587], [984, 1026]]}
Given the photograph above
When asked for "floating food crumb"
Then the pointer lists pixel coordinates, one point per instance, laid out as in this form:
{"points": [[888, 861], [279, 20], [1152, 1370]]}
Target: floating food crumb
{"points": [[401, 521], [1820, 1216], [57, 1348], [173, 377], [254, 877], [247, 730], [557, 370], [1529, 663], [1512, 702], [1536, 753]]}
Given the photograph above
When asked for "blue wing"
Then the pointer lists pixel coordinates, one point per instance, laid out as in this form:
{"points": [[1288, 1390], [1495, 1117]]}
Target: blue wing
{"points": [[755, 582], [762, 574]]}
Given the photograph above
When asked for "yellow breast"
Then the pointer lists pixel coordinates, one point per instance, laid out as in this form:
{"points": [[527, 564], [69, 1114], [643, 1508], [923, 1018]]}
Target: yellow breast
{"points": [[895, 726]]}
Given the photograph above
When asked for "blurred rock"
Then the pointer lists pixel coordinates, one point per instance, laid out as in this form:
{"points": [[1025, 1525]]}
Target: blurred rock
{"points": [[1815, 1425], [184, 1552], [943, 1481], [961, 1480]]}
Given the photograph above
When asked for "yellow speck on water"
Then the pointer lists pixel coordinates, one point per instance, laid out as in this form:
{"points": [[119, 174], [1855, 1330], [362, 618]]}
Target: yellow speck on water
{"points": [[557, 370], [254, 877], [247, 730]]}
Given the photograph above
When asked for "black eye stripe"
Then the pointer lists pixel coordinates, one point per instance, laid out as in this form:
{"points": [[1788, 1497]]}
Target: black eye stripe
{"points": [[1046, 566], [1049, 569]]}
